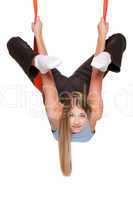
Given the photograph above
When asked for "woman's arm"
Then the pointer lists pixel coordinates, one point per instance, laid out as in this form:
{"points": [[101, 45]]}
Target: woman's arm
{"points": [[103, 28], [52, 103], [41, 45], [94, 97], [100, 44], [37, 29]]}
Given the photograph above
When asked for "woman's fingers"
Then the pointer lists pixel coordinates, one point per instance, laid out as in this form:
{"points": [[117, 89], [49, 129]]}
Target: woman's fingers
{"points": [[37, 19], [37, 26], [103, 26]]}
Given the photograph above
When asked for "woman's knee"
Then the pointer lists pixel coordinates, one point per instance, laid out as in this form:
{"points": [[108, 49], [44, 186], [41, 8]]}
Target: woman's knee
{"points": [[12, 42], [120, 38]]}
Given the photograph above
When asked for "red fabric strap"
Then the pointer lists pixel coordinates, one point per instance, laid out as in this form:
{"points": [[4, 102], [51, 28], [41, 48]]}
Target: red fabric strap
{"points": [[105, 8], [37, 80]]}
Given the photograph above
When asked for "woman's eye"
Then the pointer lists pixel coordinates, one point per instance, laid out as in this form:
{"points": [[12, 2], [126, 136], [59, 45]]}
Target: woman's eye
{"points": [[71, 115]]}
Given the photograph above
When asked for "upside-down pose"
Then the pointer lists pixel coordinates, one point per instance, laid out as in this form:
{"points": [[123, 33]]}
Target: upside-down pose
{"points": [[73, 104]]}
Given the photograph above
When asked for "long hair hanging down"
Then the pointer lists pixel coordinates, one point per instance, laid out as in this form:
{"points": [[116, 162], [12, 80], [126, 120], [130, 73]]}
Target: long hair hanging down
{"points": [[65, 136], [64, 140]]}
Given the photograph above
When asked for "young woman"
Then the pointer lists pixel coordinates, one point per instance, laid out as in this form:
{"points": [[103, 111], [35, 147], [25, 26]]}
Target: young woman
{"points": [[73, 104]]}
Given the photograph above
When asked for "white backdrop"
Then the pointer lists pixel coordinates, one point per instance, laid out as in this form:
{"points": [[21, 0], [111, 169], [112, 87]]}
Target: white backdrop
{"points": [[29, 162]]}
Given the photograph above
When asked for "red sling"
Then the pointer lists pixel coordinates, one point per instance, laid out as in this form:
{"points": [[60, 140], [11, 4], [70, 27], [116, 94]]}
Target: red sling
{"points": [[105, 8], [37, 80]]}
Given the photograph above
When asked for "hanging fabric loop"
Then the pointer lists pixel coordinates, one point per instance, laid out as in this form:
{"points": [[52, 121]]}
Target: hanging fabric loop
{"points": [[105, 8], [35, 5], [37, 80]]}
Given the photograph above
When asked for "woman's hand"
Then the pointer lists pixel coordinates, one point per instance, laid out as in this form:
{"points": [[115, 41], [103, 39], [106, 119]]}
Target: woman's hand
{"points": [[103, 28], [37, 27]]}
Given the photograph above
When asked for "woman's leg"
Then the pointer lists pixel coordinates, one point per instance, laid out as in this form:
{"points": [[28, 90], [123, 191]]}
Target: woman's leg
{"points": [[24, 55], [115, 45]]}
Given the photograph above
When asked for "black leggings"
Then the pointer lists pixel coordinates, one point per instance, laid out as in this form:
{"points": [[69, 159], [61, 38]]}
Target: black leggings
{"points": [[80, 79]]}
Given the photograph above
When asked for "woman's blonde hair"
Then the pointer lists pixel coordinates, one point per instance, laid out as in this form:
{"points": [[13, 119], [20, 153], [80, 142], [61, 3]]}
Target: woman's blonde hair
{"points": [[64, 140]]}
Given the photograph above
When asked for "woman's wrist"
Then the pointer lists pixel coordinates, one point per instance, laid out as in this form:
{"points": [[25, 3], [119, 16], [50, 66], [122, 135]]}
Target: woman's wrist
{"points": [[41, 45], [102, 36], [100, 44], [38, 36]]}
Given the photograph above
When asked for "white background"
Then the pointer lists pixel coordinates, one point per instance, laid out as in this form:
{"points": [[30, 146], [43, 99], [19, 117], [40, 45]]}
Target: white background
{"points": [[29, 162]]}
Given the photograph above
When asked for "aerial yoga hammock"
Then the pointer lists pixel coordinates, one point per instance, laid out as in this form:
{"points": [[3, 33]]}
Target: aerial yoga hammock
{"points": [[37, 80], [105, 8], [107, 59]]}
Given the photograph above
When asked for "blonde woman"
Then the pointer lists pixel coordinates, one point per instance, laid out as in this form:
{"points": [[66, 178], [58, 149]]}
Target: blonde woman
{"points": [[73, 104]]}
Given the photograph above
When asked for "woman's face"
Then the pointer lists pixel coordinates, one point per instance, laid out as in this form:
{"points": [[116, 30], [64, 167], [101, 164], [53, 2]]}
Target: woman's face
{"points": [[77, 119]]}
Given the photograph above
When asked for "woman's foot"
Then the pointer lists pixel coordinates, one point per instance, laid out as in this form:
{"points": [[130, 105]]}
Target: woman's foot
{"points": [[101, 61], [45, 63]]}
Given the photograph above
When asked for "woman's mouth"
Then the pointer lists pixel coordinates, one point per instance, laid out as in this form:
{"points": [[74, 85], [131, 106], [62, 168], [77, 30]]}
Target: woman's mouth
{"points": [[76, 126]]}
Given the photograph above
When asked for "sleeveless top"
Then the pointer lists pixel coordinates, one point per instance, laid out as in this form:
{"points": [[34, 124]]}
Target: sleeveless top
{"points": [[84, 135]]}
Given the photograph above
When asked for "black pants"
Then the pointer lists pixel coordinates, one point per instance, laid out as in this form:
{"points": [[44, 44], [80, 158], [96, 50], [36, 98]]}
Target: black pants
{"points": [[80, 79]]}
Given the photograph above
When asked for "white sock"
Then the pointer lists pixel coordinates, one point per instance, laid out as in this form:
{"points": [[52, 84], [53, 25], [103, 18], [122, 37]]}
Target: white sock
{"points": [[44, 62], [101, 61]]}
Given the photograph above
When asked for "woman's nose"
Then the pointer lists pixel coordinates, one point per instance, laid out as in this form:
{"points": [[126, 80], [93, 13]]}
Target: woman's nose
{"points": [[76, 120]]}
